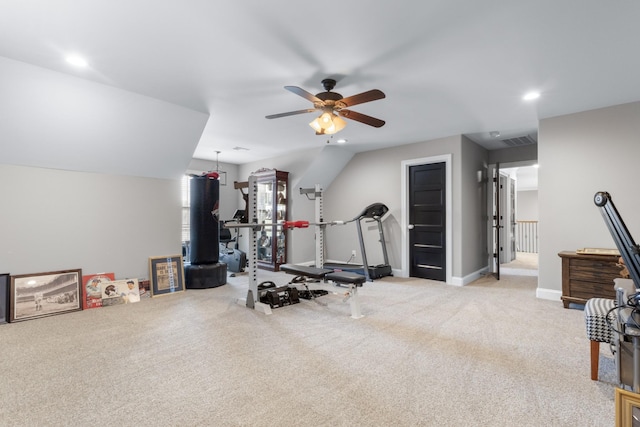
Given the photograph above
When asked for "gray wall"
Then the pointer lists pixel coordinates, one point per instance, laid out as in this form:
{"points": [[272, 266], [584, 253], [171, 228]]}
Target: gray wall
{"points": [[511, 156], [60, 219], [57, 220], [473, 212], [375, 176], [580, 154]]}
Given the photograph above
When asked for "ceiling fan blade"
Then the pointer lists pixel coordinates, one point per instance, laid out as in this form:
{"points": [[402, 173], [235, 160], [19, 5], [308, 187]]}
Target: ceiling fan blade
{"points": [[363, 97], [303, 93], [291, 113], [362, 118]]}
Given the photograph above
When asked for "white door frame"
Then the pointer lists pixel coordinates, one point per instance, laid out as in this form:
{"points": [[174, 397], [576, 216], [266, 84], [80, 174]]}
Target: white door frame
{"points": [[404, 203], [491, 202]]}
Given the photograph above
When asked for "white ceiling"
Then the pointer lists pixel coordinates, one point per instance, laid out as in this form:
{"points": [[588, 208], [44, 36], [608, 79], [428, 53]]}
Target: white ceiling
{"points": [[447, 67]]}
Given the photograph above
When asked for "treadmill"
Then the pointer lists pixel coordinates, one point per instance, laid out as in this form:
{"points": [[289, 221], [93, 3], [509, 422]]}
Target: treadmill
{"points": [[373, 212]]}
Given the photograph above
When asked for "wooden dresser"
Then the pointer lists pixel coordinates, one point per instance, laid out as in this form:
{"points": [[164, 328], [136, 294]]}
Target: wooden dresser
{"points": [[587, 276]]}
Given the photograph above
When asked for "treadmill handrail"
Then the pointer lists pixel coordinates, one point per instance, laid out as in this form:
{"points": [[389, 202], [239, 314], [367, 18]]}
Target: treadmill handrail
{"points": [[374, 211]]}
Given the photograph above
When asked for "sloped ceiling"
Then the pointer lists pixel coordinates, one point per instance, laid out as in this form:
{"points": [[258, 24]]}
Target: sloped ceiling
{"points": [[159, 70], [53, 120]]}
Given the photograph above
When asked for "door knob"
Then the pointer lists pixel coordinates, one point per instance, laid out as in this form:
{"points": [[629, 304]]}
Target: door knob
{"points": [[410, 227]]}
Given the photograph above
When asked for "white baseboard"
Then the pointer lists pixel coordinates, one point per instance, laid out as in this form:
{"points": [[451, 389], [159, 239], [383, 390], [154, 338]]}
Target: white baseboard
{"points": [[463, 281], [549, 294]]}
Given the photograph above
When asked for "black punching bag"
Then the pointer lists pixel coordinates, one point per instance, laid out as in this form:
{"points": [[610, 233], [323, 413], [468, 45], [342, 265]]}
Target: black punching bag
{"points": [[205, 195], [204, 270]]}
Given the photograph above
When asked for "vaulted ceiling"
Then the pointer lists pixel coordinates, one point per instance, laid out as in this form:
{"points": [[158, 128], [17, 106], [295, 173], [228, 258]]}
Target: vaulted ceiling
{"points": [[167, 81]]}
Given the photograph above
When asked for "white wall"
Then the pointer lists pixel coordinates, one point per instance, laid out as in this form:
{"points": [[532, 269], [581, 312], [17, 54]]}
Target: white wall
{"points": [[57, 220], [527, 205], [579, 155]]}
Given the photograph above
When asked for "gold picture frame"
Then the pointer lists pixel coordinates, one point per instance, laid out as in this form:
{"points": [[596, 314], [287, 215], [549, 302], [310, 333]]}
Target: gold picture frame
{"points": [[166, 275], [627, 408]]}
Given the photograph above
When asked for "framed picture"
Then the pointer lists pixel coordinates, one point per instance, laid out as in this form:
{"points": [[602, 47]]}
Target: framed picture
{"points": [[123, 291], [44, 294], [144, 288], [166, 274], [627, 408], [92, 288], [4, 298]]}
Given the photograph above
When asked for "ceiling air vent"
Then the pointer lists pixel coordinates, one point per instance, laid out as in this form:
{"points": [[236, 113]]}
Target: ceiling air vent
{"points": [[519, 141]]}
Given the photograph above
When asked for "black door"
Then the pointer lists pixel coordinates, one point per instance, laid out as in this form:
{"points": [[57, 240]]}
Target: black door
{"points": [[427, 221], [497, 223]]}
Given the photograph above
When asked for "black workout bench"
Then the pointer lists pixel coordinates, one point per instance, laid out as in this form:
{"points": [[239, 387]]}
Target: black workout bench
{"points": [[345, 278]]}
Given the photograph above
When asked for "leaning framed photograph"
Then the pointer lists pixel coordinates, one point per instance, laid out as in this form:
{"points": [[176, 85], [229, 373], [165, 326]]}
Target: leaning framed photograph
{"points": [[44, 294], [627, 408], [4, 298], [166, 274]]}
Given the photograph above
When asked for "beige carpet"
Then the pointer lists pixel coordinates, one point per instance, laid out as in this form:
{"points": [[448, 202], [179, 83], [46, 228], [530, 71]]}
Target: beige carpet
{"points": [[425, 354], [524, 260]]}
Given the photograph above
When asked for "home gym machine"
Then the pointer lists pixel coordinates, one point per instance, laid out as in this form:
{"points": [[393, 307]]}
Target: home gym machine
{"points": [[253, 299], [347, 279], [235, 259], [375, 212], [626, 326]]}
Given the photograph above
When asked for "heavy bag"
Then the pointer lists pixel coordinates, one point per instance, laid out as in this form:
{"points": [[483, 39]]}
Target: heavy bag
{"points": [[205, 196]]}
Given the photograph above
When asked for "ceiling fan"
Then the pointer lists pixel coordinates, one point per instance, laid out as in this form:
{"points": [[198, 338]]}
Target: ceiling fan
{"points": [[334, 107]]}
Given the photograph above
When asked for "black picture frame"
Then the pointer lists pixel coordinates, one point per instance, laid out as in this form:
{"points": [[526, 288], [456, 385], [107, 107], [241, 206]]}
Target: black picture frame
{"points": [[44, 294], [4, 298], [166, 274]]}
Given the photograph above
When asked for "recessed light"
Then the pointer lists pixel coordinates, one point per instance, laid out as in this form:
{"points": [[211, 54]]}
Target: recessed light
{"points": [[77, 61], [341, 141], [530, 96]]}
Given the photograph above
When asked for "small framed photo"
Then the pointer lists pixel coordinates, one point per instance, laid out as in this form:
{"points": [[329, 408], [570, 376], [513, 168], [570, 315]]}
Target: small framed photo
{"points": [[44, 294], [123, 291], [627, 408], [144, 288], [4, 298], [166, 274]]}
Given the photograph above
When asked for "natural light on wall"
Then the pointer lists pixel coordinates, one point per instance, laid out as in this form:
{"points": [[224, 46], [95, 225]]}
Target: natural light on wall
{"points": [[530, 96], [76, 61]]}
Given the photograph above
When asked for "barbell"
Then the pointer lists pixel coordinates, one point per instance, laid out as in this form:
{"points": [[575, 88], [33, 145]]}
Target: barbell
{"points": [[284, 224]]}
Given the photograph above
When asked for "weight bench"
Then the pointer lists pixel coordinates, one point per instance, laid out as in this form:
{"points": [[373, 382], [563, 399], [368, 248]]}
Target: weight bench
{"points": [[344, 278]]}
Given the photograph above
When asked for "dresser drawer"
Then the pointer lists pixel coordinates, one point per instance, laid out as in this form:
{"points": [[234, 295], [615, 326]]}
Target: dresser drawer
{"points": [[586, 276]]}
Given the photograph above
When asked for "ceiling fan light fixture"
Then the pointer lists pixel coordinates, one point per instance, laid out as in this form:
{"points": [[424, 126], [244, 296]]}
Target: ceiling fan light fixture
{"points": [[328, 124]]}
